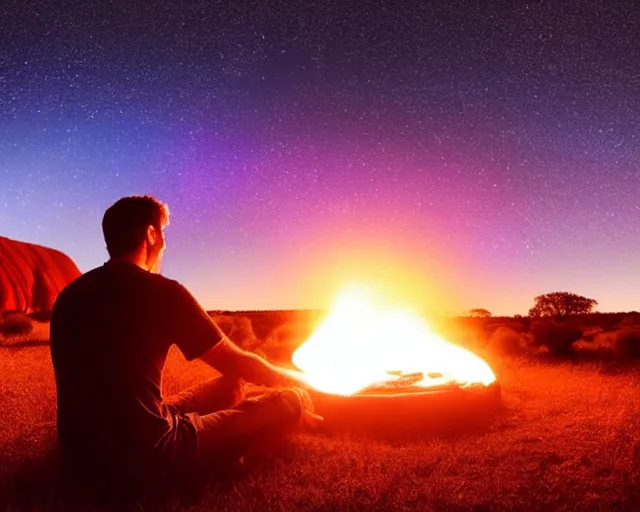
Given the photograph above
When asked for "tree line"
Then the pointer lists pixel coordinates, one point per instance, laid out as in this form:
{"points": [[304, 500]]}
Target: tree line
{"points": [[555, 304]]}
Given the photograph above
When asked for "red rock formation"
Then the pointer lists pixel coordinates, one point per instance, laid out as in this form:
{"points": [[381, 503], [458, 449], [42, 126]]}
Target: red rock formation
{"points": [[31, 276]]}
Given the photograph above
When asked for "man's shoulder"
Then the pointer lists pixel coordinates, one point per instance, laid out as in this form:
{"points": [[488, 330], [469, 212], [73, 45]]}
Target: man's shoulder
{"points": [[101, 278], [78, 284]]}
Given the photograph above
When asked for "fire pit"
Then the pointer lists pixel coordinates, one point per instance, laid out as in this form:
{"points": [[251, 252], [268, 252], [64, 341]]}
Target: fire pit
{"points": [[446, 410], [377, 368]]}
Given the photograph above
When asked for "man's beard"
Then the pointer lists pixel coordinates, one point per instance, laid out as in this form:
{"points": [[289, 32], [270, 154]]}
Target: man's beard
{"points": [[156, 265], [154, 261]]}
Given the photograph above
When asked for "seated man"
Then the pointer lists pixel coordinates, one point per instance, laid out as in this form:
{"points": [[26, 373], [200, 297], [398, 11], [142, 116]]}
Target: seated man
{"points": [[111, 330]]}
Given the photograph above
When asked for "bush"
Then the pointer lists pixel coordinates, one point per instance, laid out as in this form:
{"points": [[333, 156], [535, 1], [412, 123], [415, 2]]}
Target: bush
{"points": [[610, 321], [557, 337], [263, 322], [285, 338], [506, 341], [238, 329], [590, 334], [627, 343], [16, 324], [629, 320], [514, 325], [468, 332]]}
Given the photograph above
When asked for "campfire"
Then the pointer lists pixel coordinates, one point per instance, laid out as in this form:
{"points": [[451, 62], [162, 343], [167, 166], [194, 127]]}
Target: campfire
{"points": [[364, 348]]}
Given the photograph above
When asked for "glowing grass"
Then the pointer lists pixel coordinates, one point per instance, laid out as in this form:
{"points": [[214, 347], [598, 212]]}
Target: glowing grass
{"points": [[569, 440]]}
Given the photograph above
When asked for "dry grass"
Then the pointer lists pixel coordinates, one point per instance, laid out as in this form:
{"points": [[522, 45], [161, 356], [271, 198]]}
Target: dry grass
{"points": [[569, 439]]}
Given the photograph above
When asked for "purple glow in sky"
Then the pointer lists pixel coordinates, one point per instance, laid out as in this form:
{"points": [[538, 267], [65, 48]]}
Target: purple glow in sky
{"points": [[468, 157]]}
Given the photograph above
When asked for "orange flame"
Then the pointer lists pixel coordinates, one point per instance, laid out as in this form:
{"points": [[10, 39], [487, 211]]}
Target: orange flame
{"points": [[361, 343]]}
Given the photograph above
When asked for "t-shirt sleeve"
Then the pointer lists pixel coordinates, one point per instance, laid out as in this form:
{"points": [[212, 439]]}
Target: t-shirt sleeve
{"points": [[190, 326]]}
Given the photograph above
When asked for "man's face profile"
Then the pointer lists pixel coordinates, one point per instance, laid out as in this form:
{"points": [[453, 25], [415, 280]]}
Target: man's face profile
{"points": [[156, 244]]}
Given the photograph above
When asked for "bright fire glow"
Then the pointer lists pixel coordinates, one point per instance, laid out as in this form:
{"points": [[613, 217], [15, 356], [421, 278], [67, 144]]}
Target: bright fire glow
{"points": [[361, 342]]}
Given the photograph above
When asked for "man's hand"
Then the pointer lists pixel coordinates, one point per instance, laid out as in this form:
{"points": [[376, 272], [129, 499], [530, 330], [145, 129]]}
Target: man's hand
{"points": [[309, 419], [234, 362], [292, 378]]}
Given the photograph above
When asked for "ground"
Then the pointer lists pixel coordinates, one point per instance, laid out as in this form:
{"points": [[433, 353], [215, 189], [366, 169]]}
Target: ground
{"points": [[567, 439]]}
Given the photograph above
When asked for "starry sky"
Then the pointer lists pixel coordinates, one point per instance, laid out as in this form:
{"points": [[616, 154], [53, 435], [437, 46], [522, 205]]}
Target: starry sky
{"points": [[453, 156]]}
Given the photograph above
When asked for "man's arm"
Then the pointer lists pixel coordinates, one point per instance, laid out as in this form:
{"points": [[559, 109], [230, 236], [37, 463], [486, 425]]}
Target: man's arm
{"points": [[197, 335], [231, 360]]}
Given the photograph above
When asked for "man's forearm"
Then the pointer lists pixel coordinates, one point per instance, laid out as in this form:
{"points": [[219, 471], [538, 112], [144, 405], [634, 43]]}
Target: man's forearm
{"points": [[231, 360], [259, 371]]}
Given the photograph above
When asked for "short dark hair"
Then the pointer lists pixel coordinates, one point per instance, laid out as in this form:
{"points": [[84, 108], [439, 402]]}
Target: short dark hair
{"points": [[125, 222]]}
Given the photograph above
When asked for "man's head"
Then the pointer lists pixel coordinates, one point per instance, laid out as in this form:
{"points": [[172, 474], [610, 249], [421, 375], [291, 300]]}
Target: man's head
{"points": [[133, 228]]}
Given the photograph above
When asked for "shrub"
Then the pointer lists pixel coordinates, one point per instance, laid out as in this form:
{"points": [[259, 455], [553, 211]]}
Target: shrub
{"points": [[609, 321], [590, 334], [514, 325], [605, 339], [285, 338], [16, 324], [631, 319], [470, 333], [556, 336], [506, 341], [238, 329], [627, 343], [263, 322]]}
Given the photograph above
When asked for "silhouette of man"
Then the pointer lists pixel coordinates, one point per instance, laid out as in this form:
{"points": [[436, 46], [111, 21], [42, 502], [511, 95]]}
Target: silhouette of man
{"points": [[111, 330]]}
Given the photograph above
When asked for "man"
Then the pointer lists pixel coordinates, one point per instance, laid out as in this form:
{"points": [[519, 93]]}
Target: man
{"points": [[111, 330]]}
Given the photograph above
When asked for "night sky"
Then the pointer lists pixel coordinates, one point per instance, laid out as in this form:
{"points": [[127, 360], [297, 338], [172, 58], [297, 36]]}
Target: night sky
{"points": [[452, 155]]}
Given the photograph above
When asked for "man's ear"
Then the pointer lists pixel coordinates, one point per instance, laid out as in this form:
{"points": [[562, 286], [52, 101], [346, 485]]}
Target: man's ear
{"points": [[152, 235]]}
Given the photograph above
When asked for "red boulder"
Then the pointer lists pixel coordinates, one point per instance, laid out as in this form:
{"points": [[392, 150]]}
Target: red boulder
{"points": [[31, 276]]}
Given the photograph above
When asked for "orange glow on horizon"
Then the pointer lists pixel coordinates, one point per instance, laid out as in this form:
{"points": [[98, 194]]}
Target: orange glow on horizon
{"points": [[406, 272]]}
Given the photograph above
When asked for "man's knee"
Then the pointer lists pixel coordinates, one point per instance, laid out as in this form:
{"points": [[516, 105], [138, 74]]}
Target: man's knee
{"points": [[233, 389], [290, 399]]}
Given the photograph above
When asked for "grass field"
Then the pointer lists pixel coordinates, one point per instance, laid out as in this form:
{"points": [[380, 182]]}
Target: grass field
{"points": [[567, 439]]}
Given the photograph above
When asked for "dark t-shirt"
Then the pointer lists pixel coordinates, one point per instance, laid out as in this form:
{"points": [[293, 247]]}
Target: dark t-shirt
{"points": [[111, 330]]}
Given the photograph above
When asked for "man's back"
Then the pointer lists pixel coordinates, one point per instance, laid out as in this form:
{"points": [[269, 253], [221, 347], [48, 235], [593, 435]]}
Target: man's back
{"points": [[111, 330]]}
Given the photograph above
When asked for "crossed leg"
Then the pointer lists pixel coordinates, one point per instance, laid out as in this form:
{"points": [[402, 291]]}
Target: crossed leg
{"points": [[208, 397], [228, 424]]}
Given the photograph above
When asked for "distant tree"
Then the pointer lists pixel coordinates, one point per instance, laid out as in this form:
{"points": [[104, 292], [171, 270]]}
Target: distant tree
{"points": [[561, 304], [479, 313]]}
